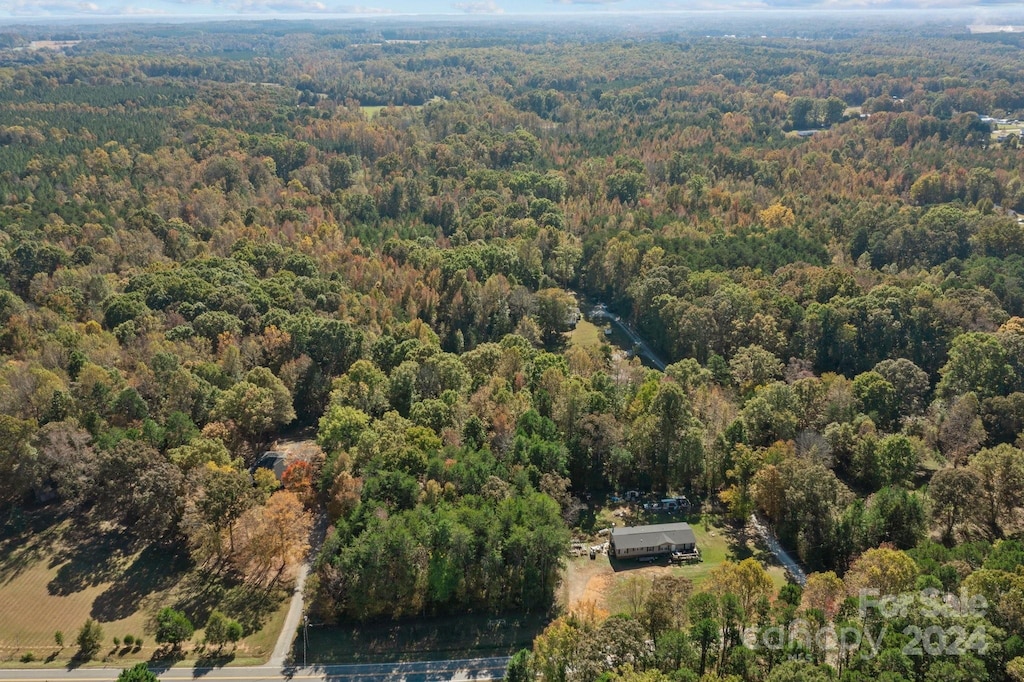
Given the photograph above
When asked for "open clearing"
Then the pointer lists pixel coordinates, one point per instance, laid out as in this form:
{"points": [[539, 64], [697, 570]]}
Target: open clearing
{"points": [[586, 334], [370, 112], [53, 576], [600, 580]]}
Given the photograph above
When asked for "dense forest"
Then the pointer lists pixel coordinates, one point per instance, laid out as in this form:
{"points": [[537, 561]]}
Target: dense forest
{"points": [[214, 235]]}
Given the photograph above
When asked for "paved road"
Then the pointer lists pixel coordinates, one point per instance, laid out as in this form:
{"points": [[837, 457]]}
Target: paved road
{"points": [[782, 555], [294, 617], [302, 448], [422, 671], [641, 345]]}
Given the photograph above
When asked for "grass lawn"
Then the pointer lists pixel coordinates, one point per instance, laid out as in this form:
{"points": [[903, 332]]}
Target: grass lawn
{"points": [[370, 112], [586, 334], [55, 575], [603, 580], [452, 637]]}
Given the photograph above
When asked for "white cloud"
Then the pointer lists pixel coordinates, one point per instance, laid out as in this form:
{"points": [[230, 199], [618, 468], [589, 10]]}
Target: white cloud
{"points": [[285, 6], [684, 5], [281, 7], [50, 7], [359, 9], [479, 7]]}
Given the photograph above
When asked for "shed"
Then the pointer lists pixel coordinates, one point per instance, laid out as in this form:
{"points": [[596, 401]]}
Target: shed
{"points": [[661, 538]]}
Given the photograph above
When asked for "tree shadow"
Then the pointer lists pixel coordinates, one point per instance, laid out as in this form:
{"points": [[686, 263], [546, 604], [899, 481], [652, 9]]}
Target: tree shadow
{"points": [[437, 638], [251, 606], [156, 569], [77, 661], [210, 660], [91, 562], [25, 546], [587, 520], [163, 659], [201, 592], [738, 540]]}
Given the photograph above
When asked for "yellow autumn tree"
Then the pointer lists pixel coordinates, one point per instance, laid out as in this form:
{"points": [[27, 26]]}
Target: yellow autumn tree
{"points": [[747, 580], [777, 216], [825, 592], [890, 571]]}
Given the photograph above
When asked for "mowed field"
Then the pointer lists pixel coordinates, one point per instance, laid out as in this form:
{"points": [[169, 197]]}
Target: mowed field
{"points": [[586, 334], [54, 577]]}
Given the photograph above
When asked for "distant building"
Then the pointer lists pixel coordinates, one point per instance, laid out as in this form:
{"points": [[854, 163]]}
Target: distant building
{"points": [[661, 538], [272, 460]]}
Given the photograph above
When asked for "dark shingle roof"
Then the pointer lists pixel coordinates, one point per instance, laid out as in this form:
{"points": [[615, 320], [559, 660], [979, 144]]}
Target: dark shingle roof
{"points": [[275, 461], [636, 537]]}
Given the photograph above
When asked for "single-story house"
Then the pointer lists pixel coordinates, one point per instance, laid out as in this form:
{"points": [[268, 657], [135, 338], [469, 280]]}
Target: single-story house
{"points": [[660, 538], [275, 461]]}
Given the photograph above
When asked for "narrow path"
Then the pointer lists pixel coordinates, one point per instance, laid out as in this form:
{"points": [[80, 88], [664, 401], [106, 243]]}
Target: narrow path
{"points": [[781, 555]]}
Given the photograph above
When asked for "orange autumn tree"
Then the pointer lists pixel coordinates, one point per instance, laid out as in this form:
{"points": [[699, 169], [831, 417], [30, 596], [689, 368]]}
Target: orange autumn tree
{"points": [[271, 537]]}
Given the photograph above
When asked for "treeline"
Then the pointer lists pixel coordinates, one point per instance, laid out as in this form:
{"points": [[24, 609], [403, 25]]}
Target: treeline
{"points": [[735, 626], [200, 252]]}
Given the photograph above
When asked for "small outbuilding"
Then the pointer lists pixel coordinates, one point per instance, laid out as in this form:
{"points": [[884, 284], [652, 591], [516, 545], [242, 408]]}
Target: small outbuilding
{"points": [[658, 539]]}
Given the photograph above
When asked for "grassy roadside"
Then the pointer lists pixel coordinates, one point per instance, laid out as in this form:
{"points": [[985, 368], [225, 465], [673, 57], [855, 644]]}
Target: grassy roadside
{"points": [[425, 639]]}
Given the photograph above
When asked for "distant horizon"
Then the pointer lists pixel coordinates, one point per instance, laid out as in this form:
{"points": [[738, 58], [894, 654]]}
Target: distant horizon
{"points": [[121, 11]]}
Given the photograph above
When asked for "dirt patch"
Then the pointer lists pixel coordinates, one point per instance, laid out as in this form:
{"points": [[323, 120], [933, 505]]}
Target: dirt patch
{"points": [[577, 576], [299, 444], [595, 590], [598, 583]]}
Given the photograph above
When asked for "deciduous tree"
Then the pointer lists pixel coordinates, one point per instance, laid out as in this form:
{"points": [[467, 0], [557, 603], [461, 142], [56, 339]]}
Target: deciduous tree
{"points": [[173, 627]]}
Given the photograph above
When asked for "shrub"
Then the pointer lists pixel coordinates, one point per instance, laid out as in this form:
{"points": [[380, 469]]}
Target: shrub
{"points": [[90, 639]]}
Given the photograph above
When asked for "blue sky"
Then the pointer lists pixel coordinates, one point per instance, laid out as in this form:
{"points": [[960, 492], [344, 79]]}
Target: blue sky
{"points": [[252, 8]]}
